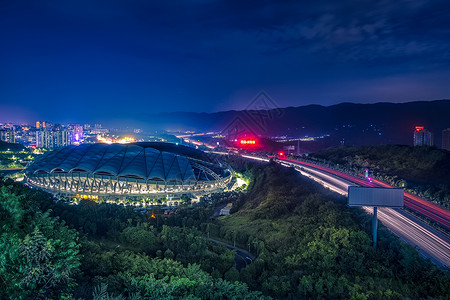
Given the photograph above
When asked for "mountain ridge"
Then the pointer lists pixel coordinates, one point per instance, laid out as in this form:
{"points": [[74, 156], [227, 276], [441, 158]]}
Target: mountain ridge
{"points": [[354, 123]]}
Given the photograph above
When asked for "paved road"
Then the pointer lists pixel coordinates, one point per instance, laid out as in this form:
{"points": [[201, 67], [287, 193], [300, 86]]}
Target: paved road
{"points": [[430, 242], [242, 257]]}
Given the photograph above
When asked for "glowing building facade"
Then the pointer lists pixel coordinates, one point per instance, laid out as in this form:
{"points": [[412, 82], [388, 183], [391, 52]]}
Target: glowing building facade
{"points": [[53, 138], [7, 135], [140, 170], [422, 137]]}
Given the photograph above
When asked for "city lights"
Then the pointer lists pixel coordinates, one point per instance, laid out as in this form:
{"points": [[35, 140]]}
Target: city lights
{"points": [[110, 140]]}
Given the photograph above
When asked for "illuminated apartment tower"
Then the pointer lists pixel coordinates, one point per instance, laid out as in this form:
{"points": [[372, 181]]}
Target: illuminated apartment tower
{"points": [[8, 136], [53, 138], [446, 139], [422, 137], [40, 125]]}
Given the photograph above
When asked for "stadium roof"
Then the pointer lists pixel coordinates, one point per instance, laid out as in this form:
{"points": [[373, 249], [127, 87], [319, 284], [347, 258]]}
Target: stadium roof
{"points": [[139, 160]]}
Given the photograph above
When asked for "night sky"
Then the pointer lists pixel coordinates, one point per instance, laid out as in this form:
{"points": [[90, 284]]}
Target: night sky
{"points": [[88, 61]]}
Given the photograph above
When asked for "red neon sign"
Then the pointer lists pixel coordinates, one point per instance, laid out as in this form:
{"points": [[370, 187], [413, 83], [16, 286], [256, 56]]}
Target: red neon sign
{"points": [[281, 153], [248, 142], [419, 128]]}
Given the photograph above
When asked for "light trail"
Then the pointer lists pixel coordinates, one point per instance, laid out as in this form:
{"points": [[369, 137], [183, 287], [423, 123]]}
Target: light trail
{"points": [[256, 158], [430, 210], [431, 243]]}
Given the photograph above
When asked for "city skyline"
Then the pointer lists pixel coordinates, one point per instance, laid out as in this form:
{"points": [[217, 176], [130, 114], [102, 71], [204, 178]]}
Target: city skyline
{"points": [[88, 60]]}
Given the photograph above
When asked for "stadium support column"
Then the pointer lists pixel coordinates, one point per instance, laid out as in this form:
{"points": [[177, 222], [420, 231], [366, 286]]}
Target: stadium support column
{"points": [[374, 226]]}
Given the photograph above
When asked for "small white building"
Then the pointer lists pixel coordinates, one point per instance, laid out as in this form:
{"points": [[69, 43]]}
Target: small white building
{"points": [[226, 210]]}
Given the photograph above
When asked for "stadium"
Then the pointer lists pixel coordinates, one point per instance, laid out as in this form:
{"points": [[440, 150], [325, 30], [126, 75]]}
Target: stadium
{"points": [[138, 170]]}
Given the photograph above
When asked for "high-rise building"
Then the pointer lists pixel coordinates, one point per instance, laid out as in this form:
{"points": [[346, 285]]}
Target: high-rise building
{"points": [[446, 139], [8, 136], [44, 139], [53, 138], [38, 125], [422, 137], [63, 138]]}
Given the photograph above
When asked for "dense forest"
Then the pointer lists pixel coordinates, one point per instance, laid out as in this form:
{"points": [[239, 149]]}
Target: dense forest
{"points": [[52, 250], [307, 244]]}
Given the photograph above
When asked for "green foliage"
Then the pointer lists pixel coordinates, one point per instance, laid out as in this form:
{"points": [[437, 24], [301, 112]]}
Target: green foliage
{"points": [[232, 275], [128, 273], [192, 283], [313, 246], [38, 253], [141, 238], [307, 242], [101, 293]]}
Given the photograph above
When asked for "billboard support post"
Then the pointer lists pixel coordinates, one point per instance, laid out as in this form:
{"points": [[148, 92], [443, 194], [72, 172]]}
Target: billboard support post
{"points": [[374, 226], [375, 197]]}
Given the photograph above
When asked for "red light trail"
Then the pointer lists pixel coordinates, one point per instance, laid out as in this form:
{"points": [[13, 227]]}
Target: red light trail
{"points": [[417, 204]]}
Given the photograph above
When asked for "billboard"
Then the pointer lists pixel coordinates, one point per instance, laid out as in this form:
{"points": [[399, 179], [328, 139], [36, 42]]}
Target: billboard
{"points": [[374, 196]]}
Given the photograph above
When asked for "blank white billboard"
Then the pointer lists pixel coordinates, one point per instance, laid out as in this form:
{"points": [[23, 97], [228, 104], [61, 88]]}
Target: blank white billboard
{"points": [[373, 196]]}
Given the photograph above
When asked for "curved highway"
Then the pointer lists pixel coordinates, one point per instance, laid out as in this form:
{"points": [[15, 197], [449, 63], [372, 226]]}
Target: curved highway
{"points": [[430, 242]]}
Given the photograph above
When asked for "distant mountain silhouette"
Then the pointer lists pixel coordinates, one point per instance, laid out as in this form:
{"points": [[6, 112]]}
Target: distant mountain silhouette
{"points": [[355, 124]]}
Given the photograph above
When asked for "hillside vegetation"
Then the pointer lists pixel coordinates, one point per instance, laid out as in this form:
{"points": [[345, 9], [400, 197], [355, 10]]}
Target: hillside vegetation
{"points": [[307, 244], [53, 250], [310, 244], [424, 170]]}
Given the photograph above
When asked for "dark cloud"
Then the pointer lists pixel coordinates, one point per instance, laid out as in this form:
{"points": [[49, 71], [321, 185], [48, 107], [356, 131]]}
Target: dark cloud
{"points": [[368, 30]]}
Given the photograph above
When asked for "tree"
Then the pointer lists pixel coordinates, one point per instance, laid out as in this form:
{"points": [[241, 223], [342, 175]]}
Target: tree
{"points": [[140, 238], [168, 254], [38, 253], [232, 275]]}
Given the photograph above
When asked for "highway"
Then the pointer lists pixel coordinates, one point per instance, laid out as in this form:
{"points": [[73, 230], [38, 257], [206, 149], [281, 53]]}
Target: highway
{"points": [[431, 243]]}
